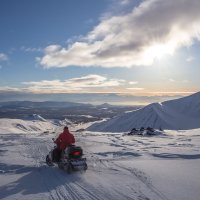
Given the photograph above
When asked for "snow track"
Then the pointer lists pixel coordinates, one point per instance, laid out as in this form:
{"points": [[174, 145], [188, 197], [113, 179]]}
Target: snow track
{"points": [[114, 169], [80, 186]]}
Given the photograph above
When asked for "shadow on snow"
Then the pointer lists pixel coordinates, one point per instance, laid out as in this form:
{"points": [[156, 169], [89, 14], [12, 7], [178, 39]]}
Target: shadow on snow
{"points": [[177, 156], [33, 179]]}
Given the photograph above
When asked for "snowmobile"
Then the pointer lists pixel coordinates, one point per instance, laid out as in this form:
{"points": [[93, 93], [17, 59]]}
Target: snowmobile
{"points": [[71, 159]]}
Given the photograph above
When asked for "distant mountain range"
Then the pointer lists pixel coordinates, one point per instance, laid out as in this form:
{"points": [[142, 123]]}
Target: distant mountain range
{"points": [[91, 98], [44, 104], [178, 114], [76, 112]]}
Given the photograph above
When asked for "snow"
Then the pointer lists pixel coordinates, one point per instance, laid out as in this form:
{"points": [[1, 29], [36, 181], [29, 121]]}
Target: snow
{"points": [[26, 126], [179, 114], [34, 117], [120, 167], [65, 122]]}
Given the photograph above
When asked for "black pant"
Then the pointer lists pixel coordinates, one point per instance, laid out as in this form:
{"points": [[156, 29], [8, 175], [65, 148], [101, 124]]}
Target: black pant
{"points": [[56, 154]]}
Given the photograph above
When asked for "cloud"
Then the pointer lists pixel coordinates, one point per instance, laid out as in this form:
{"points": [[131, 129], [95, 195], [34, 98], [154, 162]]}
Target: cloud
{"points": [[171, 80], [3, 57], [185, 81], [178, 81], [133, 82], [190, 59], [135, 88], [171, 93], [30, 49], [9, 89], [151, 30], [124, 2], [89, 83], [52, 49]]}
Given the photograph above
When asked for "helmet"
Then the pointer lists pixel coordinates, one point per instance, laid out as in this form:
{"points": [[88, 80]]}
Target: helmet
{"points": [[66, 127]]}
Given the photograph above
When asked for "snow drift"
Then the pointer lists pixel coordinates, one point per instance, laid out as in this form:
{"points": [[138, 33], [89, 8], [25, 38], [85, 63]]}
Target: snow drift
{"points": [[178, 114]]}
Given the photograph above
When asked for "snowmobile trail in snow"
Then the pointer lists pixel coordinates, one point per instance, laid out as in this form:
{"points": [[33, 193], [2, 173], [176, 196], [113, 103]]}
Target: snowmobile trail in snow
{"points": [[119, 168], [28, 177], [89, 185]]}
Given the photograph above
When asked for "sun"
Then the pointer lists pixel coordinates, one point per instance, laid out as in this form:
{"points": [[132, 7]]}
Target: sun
{"points": [[157, 52]]}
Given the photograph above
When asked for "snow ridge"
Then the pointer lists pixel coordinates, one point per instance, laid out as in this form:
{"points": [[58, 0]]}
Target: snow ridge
{"points": [[178, 114]]}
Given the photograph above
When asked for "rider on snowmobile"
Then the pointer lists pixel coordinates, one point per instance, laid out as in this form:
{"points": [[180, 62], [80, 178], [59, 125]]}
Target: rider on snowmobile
{"points": [[64, 140]]}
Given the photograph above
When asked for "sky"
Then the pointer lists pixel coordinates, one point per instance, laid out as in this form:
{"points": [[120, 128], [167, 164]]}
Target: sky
{"points": [[134, 51]]}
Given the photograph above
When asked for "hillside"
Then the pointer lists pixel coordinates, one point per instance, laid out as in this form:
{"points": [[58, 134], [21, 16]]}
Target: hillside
{"points": [[26, 126], [179, 114]]}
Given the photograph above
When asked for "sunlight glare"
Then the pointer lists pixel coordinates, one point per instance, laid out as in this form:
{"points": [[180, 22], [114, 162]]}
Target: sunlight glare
{"points": [[158, 51]]}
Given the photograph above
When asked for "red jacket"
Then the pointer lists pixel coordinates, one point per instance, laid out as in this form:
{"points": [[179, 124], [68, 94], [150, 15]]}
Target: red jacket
{"points": [[65, 139]]}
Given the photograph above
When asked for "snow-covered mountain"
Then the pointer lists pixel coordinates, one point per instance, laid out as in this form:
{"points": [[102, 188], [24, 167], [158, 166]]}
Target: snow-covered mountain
{"points": [[26, 126], [178, 114], [34, 117], [64, 122], [57, 122], [35, 124]]}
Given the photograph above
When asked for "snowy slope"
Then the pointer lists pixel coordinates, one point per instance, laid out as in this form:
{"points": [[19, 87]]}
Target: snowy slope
{"points": [[37, 124], [65, 122], [26, 126], [34, 117], [164, 167], [179, 114]]}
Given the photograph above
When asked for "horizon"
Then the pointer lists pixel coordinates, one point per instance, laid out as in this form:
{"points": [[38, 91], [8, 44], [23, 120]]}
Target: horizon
{"points": [[115, 100], [117, 49]]}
